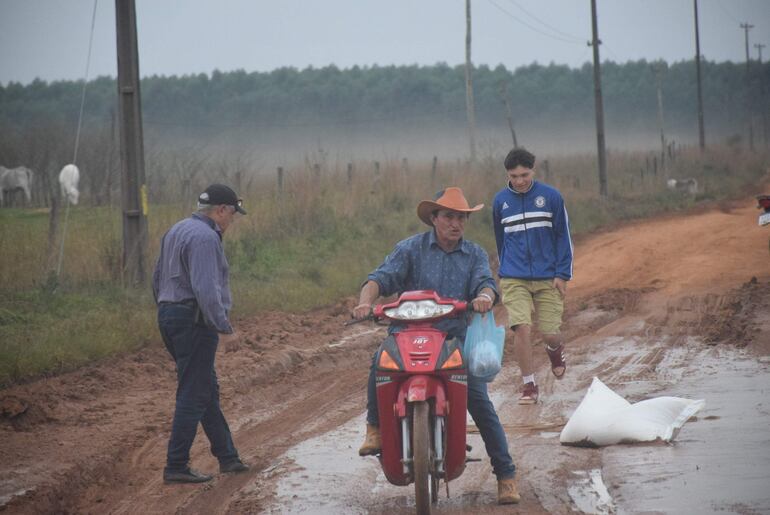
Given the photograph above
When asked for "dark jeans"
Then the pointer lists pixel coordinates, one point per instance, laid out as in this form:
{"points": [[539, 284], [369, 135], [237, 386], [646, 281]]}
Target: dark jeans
{"points": [[482, 411], [193, 347]]}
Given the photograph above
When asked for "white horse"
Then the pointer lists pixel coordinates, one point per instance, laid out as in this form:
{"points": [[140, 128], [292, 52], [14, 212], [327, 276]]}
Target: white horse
{"points": [[68, 180], [12, 179]]}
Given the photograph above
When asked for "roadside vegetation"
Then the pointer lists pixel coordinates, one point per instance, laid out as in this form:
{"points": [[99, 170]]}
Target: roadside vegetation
{"points": [[304, 246]]}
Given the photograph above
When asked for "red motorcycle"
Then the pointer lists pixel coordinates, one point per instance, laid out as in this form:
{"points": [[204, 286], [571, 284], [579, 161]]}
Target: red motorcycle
{"points": [[763, 202], [422, 389]]}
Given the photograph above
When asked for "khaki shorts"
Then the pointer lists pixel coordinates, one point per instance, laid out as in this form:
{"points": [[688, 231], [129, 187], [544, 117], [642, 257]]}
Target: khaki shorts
{"points": [[520, 297]]}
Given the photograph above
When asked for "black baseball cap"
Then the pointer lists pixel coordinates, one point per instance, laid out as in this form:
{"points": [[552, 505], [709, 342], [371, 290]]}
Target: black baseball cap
{"points": [[219, 194]]}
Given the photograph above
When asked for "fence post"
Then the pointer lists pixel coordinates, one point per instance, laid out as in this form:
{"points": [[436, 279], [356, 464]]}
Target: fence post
{"points": [[433, 168], [376, 182], [350, 175], [280, 180], [547, 169], [186, 189]]}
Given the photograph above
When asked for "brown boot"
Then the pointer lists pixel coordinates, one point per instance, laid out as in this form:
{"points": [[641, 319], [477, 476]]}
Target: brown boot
{"points": [[372, 443], [507, 493]]}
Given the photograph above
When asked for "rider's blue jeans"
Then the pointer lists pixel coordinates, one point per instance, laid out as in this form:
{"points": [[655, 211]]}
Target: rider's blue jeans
{"points": [[482, 411], [193, 347]]}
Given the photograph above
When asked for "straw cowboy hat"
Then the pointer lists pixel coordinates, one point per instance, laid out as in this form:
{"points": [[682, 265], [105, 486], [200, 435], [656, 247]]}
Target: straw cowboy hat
{"points": [[450, 198]]}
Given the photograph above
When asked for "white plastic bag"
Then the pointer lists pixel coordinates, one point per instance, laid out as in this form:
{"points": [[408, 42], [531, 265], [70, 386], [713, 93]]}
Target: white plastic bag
{"points": [[605, 418], [484, 347]]}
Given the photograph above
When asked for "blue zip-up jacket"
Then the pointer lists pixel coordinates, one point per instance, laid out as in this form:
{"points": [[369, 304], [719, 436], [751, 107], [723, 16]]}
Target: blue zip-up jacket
{"points": [[532, 233]]}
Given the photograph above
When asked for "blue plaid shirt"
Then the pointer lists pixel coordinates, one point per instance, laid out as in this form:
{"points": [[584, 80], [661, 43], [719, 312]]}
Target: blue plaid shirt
{"points": [[419, 263]]}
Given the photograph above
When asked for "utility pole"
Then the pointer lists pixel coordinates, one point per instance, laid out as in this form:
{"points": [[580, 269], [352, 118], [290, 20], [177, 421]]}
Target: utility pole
{"points": [[598, 104], [134, 189], [659, 77], [746, 27], [508, 115], [469, 83], [701, 132], [762, 92]]}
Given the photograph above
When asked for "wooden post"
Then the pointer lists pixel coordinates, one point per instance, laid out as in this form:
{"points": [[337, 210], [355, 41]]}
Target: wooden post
{"points": [[659, 83], [376, 181], [508, 115], [599, 104], [547, 169], [238, 182], [133, 186], [279, 172], [701, 133], [433, 169], [470, 110], [749, 115], [350, 175], [186, 194]]}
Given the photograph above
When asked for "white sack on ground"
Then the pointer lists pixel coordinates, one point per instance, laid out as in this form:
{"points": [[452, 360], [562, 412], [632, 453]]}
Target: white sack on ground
{"points": [[605, 418]]}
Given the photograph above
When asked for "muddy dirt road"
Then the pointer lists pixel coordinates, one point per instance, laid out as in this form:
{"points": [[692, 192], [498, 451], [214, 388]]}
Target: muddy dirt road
{"points": [[675, 306]]}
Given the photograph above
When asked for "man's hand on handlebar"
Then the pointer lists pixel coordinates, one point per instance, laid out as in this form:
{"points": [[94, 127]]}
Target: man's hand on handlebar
{"points": [[361, 311]]}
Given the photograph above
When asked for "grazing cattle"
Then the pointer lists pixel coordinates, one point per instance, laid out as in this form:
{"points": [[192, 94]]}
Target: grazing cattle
{"points": [[13, 179], [68, 180], [689, 185]]}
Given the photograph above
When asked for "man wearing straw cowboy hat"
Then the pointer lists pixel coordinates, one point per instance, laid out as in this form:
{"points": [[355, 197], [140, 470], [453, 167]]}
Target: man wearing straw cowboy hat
{"points": [[441, 260]]}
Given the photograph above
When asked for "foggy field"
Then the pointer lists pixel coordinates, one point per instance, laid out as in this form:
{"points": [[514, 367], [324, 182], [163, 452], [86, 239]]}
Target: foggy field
{"points": [[301, 247]]}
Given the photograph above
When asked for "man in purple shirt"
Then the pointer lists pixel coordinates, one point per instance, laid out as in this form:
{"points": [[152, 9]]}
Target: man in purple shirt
{"points": [[191, 287]]}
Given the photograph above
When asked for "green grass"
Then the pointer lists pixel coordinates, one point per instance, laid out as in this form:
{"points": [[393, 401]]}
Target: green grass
{"points": [[303, 249]]}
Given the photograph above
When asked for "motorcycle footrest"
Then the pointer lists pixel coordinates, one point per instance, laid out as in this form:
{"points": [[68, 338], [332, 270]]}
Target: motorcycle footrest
{"points": [[468, 460]]}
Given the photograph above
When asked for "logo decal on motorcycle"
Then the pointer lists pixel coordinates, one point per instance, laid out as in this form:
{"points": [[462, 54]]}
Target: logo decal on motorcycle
{"points": [[459, 378], [383, 380], [540, 201], [420, 340]]}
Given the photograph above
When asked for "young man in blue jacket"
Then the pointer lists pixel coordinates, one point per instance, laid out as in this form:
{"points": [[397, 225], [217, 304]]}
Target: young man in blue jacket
{"points": [[535, 251]]}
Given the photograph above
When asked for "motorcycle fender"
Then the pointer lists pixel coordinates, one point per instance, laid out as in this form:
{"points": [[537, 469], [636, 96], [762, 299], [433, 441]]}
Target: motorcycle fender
{"points": [[420, 388]]}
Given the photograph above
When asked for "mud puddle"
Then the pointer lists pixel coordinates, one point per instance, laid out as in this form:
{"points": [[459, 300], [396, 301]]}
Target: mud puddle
{"points": [[717, 463], [720, 461], [325, 475]]}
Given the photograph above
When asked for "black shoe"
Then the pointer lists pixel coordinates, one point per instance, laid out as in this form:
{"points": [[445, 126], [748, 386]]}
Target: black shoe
{"points": [[185, 476], [234, 467]]}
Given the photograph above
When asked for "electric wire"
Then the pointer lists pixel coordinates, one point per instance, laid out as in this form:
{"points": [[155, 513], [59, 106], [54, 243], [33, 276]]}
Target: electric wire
{"points": [[77, 139], [728, 13], [577, 39], [531, 27]]}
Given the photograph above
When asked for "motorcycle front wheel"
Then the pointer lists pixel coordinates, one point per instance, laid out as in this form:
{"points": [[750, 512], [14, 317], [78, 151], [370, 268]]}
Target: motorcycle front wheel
{"points": [[421, 457]]}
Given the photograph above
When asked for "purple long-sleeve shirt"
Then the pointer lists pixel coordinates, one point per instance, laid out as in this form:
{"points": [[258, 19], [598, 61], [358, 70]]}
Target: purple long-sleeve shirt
{"points": [[192, 265]]}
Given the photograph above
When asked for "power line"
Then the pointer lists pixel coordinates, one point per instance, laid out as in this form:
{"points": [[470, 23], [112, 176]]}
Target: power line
{"points": [[728, 13], [511, 15], [577, 39]]}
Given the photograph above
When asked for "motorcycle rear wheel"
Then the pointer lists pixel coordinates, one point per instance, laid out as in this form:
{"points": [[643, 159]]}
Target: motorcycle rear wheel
{"points": [[421, 457]]}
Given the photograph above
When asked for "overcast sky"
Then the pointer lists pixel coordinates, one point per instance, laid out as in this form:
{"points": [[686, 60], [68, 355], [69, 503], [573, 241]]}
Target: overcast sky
{"points": [[49, 38]]}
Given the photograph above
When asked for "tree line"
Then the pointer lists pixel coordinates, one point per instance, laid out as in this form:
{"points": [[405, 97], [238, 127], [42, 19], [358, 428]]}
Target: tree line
{"points": [[288, 97]]}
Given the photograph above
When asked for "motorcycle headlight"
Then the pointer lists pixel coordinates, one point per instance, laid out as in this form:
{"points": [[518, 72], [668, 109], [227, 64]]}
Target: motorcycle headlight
{"points": [[418, 310]]}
